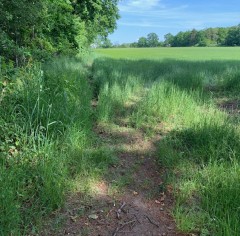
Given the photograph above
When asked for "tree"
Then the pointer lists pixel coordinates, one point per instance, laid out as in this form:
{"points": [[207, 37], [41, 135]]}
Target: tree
{"points": [[222, 35], [142, 42], [180, 40], [38, 28], [212, 35], [233, 37], [168, 39], [133, 45], [152, 40], [99, 16], [193, 40], [106, 43], [18, 22], [229, 36]]}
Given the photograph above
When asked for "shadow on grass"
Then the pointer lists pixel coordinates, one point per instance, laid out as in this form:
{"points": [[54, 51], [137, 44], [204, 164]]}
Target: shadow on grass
{"points": [[188, 75], [203, 163], [132, 177], [106, 178]]}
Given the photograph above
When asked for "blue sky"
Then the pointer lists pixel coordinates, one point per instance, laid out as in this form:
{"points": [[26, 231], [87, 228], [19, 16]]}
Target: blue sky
{"points": [[140, 17]]}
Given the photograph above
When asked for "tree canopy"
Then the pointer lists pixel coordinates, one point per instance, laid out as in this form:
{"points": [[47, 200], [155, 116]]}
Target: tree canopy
{"points": [[37, 28], [142, 42], [152, 40], [219, 36], [233, 36]]}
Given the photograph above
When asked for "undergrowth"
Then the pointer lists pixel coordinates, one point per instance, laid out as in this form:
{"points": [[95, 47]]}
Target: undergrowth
{"points": [[46, 140]]}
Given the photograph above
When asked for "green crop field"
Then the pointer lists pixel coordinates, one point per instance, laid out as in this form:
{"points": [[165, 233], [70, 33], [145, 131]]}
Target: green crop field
{"points": [[188, 53]]}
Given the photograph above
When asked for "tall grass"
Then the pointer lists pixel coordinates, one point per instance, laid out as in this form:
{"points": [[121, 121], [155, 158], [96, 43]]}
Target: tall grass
{"points": [[113, 89], [44, 108], [201, 145], [220, 191], [46, 138]]}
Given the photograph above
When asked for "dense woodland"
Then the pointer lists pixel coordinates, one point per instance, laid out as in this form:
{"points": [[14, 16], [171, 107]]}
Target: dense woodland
{"points": [[41, 28]]}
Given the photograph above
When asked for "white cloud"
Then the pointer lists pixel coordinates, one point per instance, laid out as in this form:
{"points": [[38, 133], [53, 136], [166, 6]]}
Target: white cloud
{"points": [[183, 20], [150, 8], [144, 24], [161, 14], [140, 5]]}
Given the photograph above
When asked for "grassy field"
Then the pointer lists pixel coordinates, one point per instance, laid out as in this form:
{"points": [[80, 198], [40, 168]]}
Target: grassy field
{"points": [[189, 96], [189, 53], [194, 94]]}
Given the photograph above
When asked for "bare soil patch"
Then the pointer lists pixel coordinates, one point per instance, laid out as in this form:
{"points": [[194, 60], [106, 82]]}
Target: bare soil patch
{"points": [[230, 106]]}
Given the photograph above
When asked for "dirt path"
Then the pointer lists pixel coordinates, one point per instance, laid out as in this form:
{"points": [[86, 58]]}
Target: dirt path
{"points": [[140, 203]]}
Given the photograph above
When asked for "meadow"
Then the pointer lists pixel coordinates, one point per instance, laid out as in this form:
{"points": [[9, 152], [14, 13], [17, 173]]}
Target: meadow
{"points": [[181, 53], [194, 94], [189, 96]]}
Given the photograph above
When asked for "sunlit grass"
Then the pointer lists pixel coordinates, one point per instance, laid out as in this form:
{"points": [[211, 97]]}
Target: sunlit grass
{"points": [[189, 53], [48, 145], [45, 126], [201, 144]]}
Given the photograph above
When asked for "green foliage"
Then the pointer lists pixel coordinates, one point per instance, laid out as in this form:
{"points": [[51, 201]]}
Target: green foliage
{"points": [[42, 28], [142, 42], [106, 43], [99, 16], [152, 40], [209, 37], [42, 109], [232, 38], [168, 39]]}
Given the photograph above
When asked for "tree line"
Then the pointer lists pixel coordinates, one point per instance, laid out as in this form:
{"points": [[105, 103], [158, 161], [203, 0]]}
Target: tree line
{"points": [[229, 36], [220, 36], [40, 28]]}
